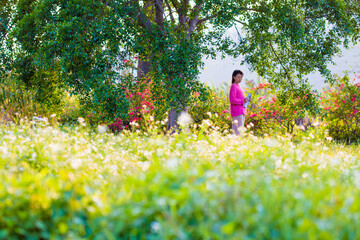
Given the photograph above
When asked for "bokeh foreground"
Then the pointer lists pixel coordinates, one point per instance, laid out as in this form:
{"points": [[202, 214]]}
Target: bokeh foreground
{"points": [[76, 184]]}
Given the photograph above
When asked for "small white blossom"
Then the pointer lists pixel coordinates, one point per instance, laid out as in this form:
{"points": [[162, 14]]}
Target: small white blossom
{"points": [[185, 119], [329, 138], [75, 163], [101, 128]]}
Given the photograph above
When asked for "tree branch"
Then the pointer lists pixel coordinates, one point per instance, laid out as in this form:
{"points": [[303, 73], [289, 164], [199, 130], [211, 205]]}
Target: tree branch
{"points": [[176, 6], [242, 23], [159, 12], [170, 11], [206, 19], [143, 20], [216, 14], [198, 7], [281, 63]]}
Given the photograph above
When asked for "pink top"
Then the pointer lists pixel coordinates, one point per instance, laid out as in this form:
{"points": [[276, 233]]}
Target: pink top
{"points": [[236, 98]]}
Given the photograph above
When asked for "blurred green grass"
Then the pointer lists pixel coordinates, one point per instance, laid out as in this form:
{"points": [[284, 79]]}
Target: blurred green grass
{"points": [[76, 184]]}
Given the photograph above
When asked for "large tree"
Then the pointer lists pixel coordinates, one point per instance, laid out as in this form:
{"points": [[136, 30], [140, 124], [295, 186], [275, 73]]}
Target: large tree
{"points": [[281, 40]]}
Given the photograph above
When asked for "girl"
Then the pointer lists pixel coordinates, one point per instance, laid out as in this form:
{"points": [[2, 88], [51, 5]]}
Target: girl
{"points": [[237, 101]]}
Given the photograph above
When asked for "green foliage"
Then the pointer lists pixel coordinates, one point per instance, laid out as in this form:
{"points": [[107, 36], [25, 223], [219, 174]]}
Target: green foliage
{"points": [[85, 42], [140, 96], [17, 102], [277, 111], [341, 106], [175, 67], [71, 44], [213, 106], [72, 185]]}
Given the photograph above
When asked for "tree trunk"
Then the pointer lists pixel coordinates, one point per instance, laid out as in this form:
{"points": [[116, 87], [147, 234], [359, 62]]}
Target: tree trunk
{"points": [[173, 115], [143, 68]]}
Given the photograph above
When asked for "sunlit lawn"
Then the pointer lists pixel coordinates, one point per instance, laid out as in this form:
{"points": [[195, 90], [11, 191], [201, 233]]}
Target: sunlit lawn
{"points": [[75, 184]]}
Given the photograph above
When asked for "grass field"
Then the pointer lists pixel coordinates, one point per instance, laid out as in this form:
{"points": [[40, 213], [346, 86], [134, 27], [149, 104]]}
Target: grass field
{"points": [[76, 184]]}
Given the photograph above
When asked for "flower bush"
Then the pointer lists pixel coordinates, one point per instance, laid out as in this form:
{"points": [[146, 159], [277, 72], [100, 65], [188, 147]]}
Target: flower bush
{"points": [[141, 109], [341, 106], [273, 112], [214, 107]]}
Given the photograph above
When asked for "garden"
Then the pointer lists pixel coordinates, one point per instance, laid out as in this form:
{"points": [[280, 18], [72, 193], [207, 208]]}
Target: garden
{"points": [[106, 131], [136, 181]]}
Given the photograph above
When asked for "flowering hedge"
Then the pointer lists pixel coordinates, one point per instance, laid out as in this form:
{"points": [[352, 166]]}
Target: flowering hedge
{"points": [[341, 106], [141, 108], [272, 111], [215, 107]]}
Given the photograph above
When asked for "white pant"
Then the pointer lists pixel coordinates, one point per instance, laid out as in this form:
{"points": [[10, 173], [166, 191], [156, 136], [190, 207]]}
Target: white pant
{"points": [[238, 121]]}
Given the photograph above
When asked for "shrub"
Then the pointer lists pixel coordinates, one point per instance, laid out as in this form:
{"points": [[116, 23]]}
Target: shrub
{"points": [[142, 109], [273, 111], [17, 101], [341, 106], [214, 106]]}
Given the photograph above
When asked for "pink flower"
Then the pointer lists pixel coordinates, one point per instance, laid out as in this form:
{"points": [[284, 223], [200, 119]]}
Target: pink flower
{"points": [[196, 94], [355, 111], [134, 119], [225, 111], [353, 99], [253, 115]]}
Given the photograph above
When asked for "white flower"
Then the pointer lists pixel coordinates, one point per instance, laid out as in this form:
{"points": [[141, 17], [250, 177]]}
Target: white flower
{"points": [[75, 163], [185, 119], [155, 226], [144, 165], [81, 121], [53, 115], [172, 163], [329, 138], [357, 178], [101, 128], [209, 113]]}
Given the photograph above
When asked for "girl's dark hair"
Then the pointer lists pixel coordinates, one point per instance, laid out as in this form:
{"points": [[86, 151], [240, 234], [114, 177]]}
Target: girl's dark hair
{"points": [[236, 72]]}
